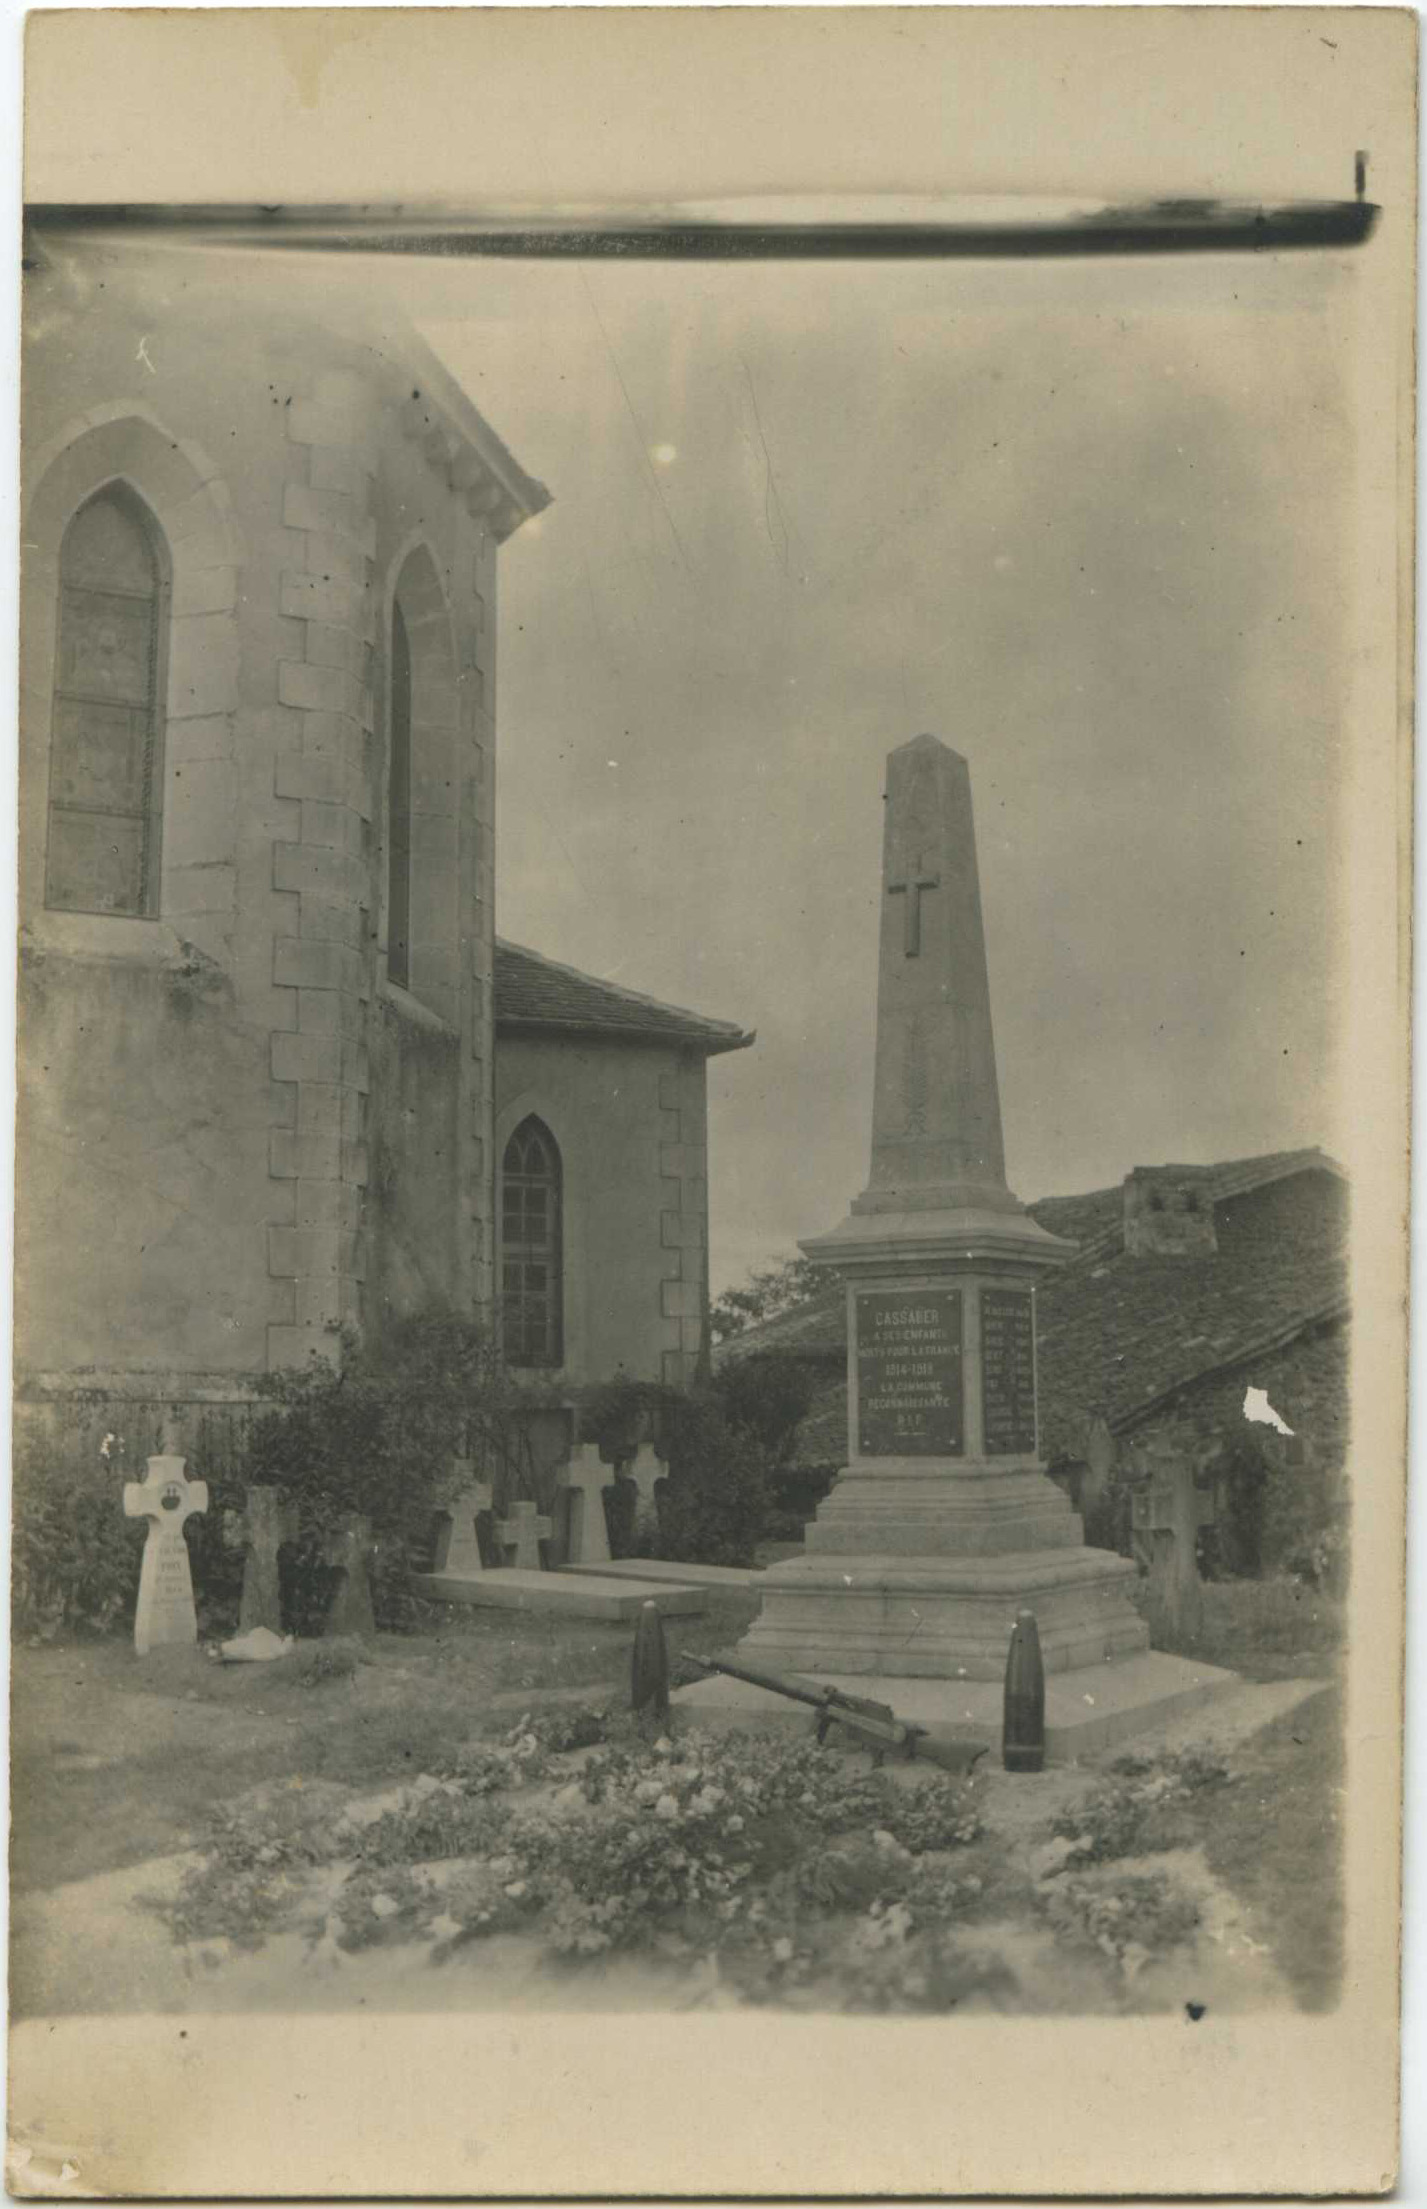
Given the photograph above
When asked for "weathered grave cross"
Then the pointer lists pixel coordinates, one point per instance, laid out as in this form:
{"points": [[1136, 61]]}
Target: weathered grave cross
{"points": [[267, 1522], [349, 1551], [458, 1548], [912, 890], [646, 1470], [167, 1500], [523, 1532], [1169, 1513]]}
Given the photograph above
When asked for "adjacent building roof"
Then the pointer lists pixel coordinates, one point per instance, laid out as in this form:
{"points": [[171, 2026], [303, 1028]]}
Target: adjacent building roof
{"points": [[533, 993], [1120, 1334]]}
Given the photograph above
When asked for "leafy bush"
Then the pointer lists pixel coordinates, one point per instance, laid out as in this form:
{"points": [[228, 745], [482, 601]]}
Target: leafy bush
{"points": [[72, 1568], [376, 1440], [713, 1504], [794, 1493], [767, 1398]]}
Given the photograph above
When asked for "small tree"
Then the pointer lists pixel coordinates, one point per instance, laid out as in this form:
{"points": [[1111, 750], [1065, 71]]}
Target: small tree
{"points": [[785, 1287]]}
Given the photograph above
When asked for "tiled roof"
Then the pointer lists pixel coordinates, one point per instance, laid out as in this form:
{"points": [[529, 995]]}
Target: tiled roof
{"points": [[532, 992], [1118, 1334]]}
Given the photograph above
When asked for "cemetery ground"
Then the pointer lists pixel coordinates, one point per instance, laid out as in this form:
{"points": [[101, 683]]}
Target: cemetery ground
{"points": [[467, 1817]]}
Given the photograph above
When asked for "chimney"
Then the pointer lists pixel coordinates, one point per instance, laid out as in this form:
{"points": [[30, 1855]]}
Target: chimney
{"points": [[1169, 1212]]}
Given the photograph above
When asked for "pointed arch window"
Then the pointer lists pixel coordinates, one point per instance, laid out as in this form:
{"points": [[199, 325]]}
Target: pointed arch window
{"points": [[531, 1273], [106, 741]]}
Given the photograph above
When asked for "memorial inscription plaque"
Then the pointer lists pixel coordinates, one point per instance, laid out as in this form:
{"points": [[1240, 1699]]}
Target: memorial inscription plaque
{"points": [[909, 1373], [1008, 1373]]}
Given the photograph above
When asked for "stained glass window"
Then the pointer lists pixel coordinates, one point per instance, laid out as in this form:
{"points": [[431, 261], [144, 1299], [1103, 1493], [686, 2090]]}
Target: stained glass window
{"points": [[106, 742], [531, 1288]]}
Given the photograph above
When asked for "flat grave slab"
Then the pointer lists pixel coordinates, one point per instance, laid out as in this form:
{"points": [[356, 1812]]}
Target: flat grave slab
{"points": [[657, 1570], [1085, 1711], [569, 1594]]}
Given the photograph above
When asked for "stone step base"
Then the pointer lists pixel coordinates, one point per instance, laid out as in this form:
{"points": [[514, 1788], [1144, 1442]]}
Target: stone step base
{"points": [[569, 1594], [977, 1511], [944, 1618], [657, 1570], [1087, 1711]]}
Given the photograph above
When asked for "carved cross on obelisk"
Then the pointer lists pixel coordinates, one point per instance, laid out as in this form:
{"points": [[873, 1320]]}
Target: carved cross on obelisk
{"points": [[936, 1113], [912, 890]]}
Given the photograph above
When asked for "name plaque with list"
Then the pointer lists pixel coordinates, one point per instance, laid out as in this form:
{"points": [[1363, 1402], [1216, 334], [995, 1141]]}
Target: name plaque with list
{"points": [[1008, 1373], [909, 1373]]}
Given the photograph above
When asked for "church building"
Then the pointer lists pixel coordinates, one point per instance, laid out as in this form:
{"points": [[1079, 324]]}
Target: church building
{"points": [[278, 1078]]}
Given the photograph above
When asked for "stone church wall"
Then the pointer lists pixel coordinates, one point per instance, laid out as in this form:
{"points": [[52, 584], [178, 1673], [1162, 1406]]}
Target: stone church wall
{"points": [[631, 1122], [203, 1093]]}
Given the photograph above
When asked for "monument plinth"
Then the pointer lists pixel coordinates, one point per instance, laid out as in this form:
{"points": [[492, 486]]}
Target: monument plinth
{"points": [[944, 1524]]}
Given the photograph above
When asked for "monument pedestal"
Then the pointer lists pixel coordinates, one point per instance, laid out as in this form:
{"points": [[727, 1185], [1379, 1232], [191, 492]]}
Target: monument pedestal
{"points": [[944, 1525]]}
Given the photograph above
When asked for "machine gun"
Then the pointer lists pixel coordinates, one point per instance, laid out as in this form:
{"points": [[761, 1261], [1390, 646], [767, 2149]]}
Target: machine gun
{"points": [[875, 1725]]}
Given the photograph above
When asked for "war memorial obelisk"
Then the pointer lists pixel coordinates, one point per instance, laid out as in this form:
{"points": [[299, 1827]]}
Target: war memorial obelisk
{"points": [[945, 1524]]}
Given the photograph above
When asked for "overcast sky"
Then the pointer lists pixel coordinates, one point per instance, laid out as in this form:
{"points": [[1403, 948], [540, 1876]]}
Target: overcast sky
{"points": [[1082, 521]]}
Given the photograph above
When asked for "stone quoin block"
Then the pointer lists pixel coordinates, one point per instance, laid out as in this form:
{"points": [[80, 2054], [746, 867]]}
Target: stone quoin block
{"points": [[680, 1299], [337, 512], [301, 963], [317, 1301], [314, 1152], [320, 689], [336, 599], [334, 877], [681, 1230], [307, 1058], [324, 777], [687, 1161], [331, 1012], [336, 827], [328, 644], [328, 1204], [303, 1251]]}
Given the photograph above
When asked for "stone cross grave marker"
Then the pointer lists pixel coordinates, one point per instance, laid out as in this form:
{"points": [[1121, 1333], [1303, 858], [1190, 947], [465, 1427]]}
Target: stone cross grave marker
{"points": [[167, 1499], [349, 1552], [645, 1470], [587, 1476], [523, 1532], [1167, 1515], [267, 1520], [458, 1548]]}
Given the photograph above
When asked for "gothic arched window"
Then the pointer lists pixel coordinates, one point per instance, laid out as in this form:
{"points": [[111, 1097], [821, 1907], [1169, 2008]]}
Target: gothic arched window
{"points": [[531, 1285], [106, 739], [398, 957]]}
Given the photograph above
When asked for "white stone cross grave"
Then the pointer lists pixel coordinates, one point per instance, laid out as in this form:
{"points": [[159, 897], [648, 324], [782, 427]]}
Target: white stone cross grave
{"points": [[522, 1532], [458, 1548], [167, 1499], [587, 1476]]}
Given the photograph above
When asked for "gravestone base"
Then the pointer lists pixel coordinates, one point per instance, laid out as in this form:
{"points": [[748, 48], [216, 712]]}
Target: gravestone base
{"points": [[1087, 1711]]}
